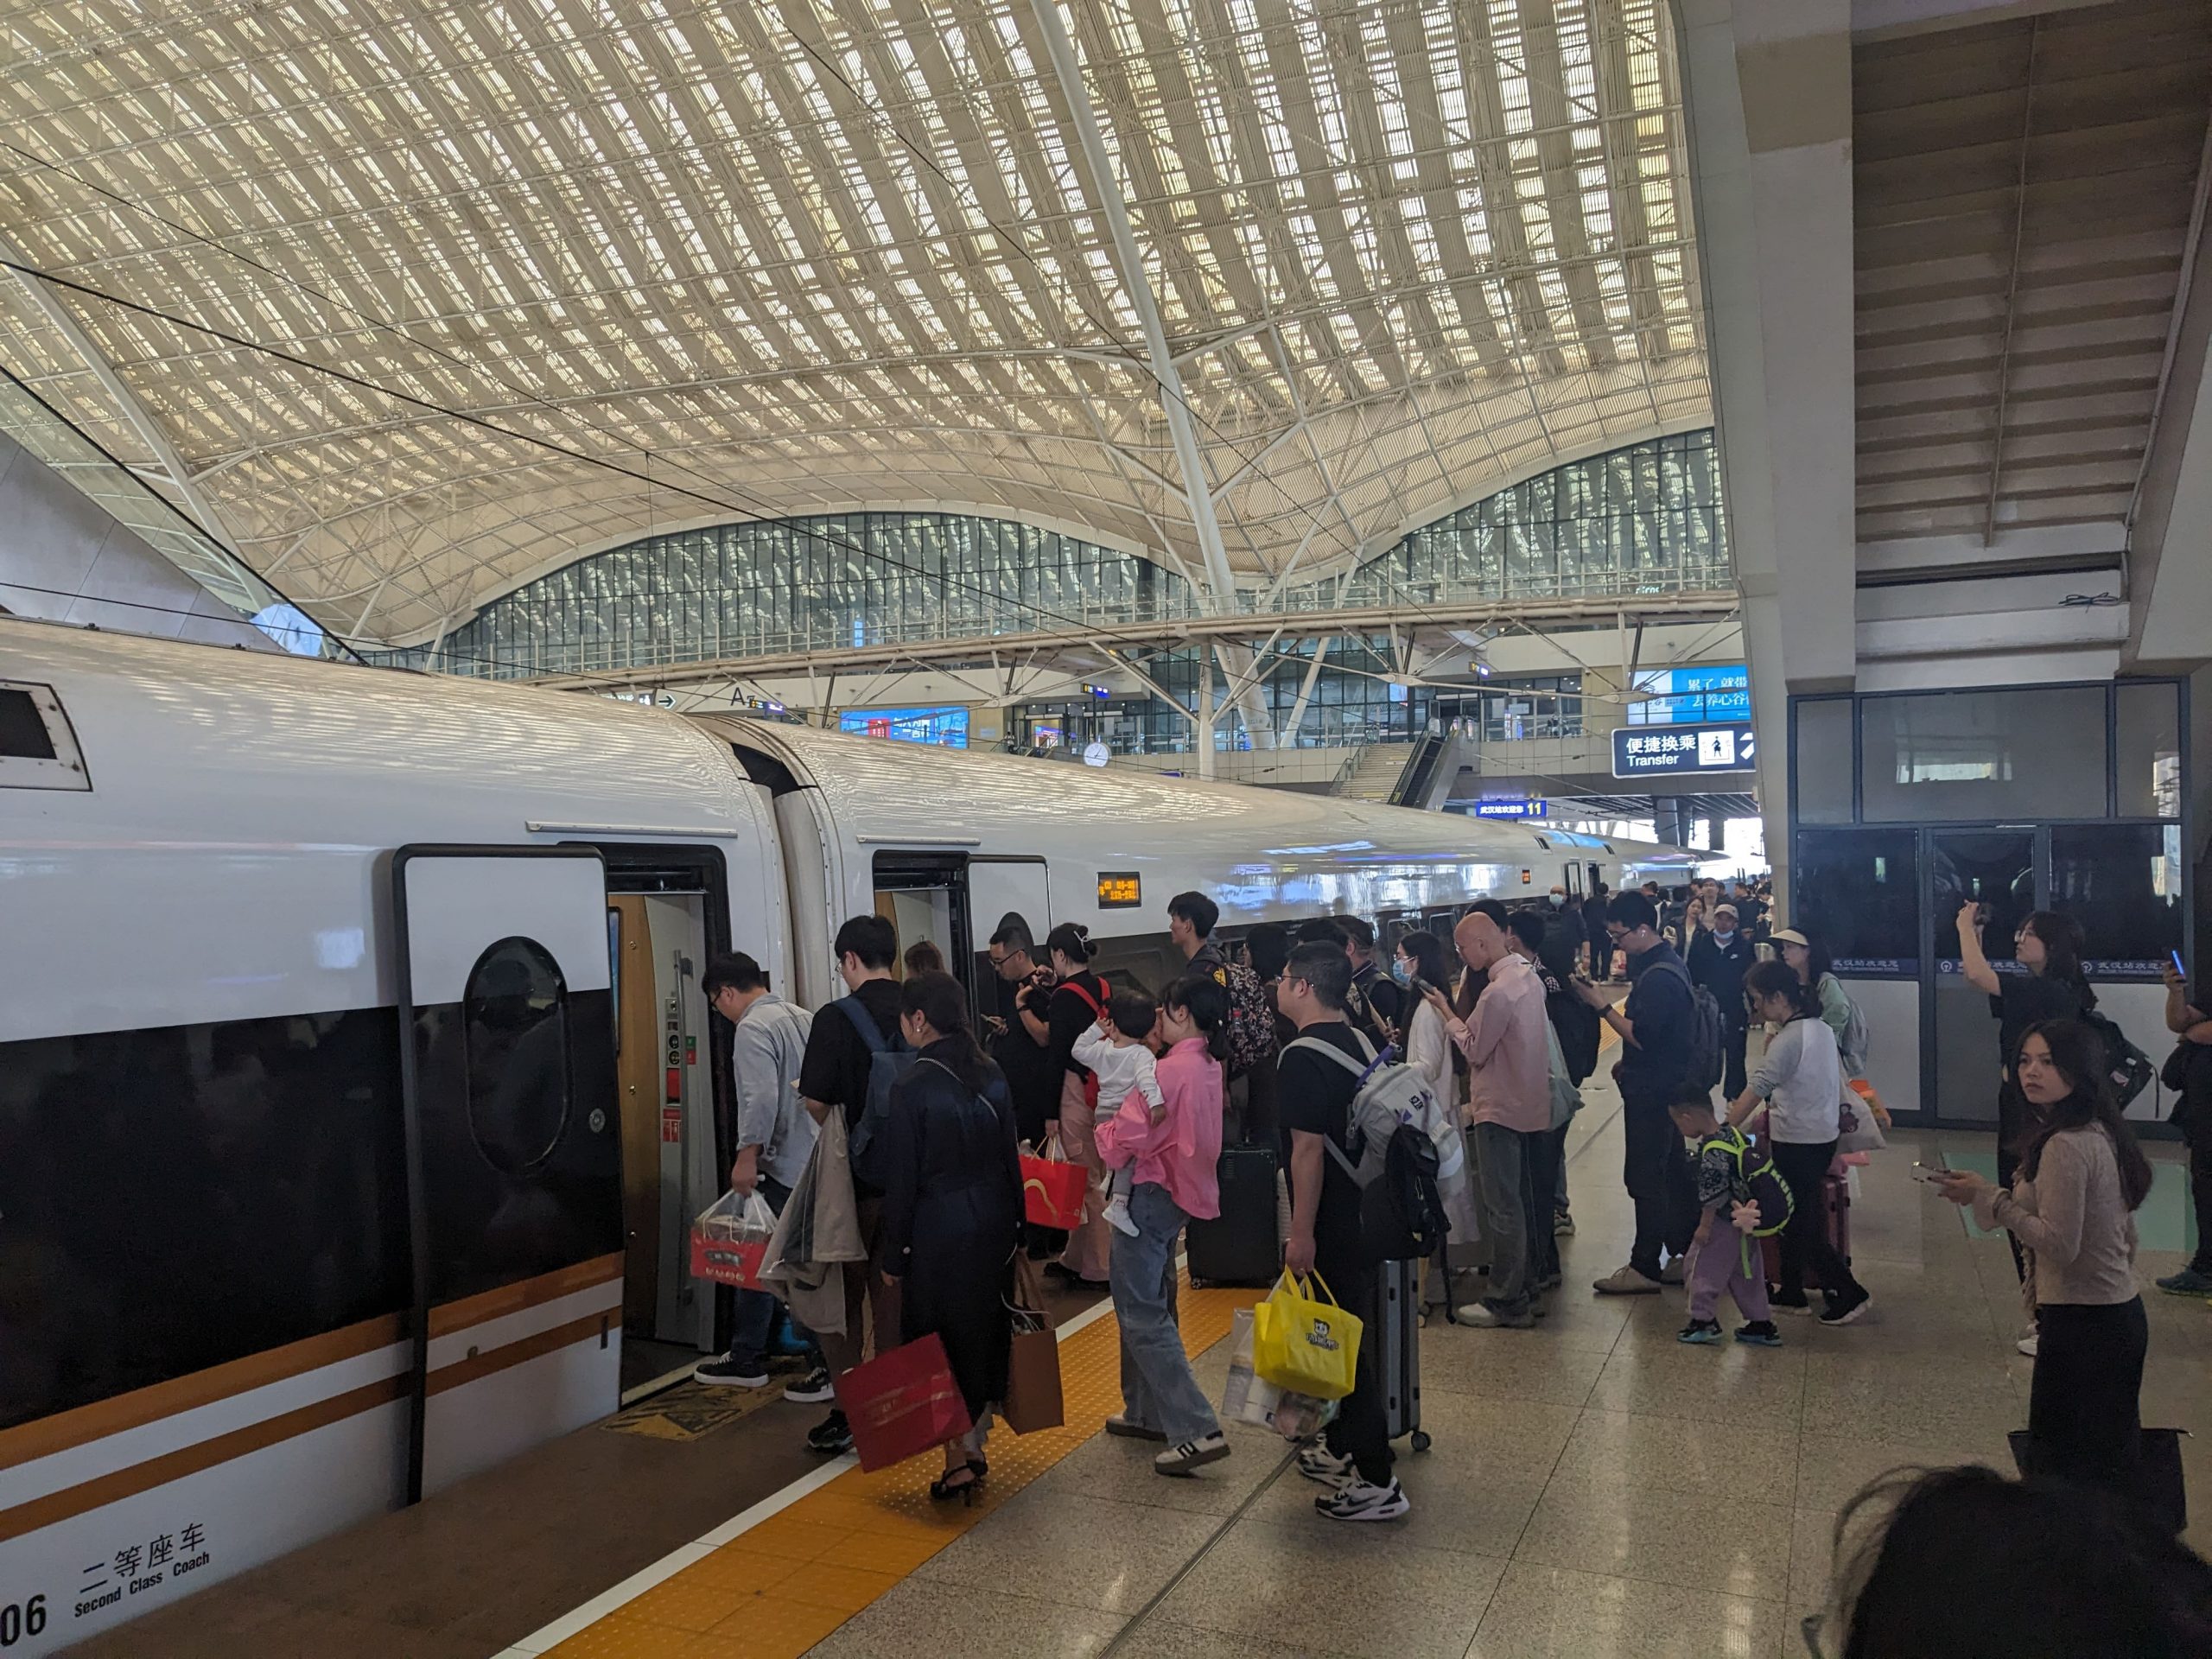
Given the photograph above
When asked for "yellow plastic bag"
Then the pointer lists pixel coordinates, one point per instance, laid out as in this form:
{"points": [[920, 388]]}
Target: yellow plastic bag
{"points": [[1304, 1345]]}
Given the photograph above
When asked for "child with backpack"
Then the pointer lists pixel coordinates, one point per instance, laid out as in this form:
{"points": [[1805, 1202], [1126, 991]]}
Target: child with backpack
{"points": [[1118, 1051], [1740, 1199]]}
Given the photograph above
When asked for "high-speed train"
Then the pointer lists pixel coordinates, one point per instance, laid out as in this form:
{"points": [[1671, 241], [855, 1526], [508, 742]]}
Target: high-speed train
{"points": [[356, 1088]]}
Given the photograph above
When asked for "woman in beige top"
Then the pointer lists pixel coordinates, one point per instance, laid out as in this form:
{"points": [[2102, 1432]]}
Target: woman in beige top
{"points": [[2073, 1206]]}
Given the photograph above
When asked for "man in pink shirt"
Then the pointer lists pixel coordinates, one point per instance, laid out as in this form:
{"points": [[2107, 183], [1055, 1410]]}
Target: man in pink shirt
{"points": [[1509, 1068]]}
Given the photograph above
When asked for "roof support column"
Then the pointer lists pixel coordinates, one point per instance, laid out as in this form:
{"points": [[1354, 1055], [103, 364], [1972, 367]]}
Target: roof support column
{"points": [[1106, 193], [1768, 95]]}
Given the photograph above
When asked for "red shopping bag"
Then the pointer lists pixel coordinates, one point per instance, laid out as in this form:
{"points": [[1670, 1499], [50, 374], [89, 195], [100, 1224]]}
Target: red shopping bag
{"points": [[902, 1403], [729, 1240], [1052, 1189]]}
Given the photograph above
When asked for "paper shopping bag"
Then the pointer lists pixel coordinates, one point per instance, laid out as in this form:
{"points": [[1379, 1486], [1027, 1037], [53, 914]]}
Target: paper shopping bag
{"points": [[1033, 1375], [1304, 1345], [1052, 1189], [729, 1240], [902, 1403]]}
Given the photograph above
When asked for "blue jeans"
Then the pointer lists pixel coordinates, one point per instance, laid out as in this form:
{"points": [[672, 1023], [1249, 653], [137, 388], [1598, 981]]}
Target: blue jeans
{"points": [[752, 1312], [1157, 1387]]}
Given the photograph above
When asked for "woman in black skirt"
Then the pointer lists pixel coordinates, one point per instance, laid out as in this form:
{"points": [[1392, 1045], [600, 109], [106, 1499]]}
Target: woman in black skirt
{"points": [[952, 1208]]}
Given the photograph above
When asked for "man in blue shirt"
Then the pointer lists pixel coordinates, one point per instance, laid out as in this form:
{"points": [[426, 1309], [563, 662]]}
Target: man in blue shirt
{"points": [[1654, 1026]]}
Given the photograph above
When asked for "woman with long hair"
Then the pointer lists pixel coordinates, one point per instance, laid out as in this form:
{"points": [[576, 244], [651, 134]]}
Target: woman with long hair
{"points": [[1800, 1079], [2081, 1179], [2049, 946], [952, 1208], [1421, 964], [1174, 1162], [1078, 1000]]}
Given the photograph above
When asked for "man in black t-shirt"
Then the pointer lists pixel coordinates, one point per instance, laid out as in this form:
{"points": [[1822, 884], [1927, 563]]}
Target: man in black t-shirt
{"points": [[833, 1076], [1381, 991], [1314, 1098], [1654, 1026]]}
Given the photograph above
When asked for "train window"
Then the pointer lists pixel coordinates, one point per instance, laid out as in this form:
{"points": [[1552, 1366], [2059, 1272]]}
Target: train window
{"points": [[38, 750], [516, 1017]]}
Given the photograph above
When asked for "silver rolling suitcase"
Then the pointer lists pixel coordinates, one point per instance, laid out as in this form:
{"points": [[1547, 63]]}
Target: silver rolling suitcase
{"points": [[1398, 1308]]}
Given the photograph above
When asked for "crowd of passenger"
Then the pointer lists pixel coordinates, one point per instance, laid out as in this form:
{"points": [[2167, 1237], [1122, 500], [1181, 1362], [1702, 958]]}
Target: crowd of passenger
{"points": [[1265, 1042]]}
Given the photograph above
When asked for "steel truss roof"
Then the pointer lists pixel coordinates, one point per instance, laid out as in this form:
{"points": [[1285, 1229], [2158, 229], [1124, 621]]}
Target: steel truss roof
{"points": [[818, 253]]}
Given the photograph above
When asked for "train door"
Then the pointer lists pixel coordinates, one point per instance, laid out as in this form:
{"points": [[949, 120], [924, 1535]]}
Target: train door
{"points": [[998, 887], [507, 1074], [1574, 878], [924, 897], [672, 1165]]}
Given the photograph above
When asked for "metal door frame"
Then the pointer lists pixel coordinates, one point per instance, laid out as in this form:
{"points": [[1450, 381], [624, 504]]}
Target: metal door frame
{"points": [[418, 1203]]}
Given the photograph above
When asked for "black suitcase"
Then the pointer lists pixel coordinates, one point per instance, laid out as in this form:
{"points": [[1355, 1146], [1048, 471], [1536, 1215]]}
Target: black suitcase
{"points": [[1397, 1339], [1239, 1247]]}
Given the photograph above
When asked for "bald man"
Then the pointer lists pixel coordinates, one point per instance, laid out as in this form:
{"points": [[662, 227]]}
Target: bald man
{"points": [[1509, 1076]]}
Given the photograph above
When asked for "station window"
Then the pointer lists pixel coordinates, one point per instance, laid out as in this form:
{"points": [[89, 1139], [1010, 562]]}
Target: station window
{"points": [[1950, 757], [2122, 882], [1823, 762], [1860, 891], [2147, 750], [38, 750], [516, 1019]]}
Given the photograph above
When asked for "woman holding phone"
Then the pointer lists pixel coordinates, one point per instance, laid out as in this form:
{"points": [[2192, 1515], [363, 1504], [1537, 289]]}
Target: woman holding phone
{"points": [[2049, 945], [2081, 1179]]}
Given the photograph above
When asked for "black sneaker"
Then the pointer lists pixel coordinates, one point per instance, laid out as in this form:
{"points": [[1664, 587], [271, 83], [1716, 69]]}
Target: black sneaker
{"points": [[727, 1373], [812, 1389], [1360, 1500], [1800, 1304], [1846, 1311], [832, 1437], [1760, 1333]]}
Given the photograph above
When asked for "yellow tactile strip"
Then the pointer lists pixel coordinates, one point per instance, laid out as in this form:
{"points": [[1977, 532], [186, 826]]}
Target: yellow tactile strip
{"points": [[778, 1589]]}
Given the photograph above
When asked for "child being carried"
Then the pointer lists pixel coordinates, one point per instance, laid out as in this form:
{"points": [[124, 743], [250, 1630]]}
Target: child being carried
{"points": [[1118, 1049]]}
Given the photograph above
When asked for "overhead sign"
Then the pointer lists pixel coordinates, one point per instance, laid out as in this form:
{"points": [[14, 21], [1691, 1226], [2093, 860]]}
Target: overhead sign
{"points": [[1512, 809], [1645, 751]]}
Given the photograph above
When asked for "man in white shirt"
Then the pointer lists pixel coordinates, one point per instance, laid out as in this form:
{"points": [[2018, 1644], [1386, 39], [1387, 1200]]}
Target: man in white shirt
{"points": [[1508, 1075]]}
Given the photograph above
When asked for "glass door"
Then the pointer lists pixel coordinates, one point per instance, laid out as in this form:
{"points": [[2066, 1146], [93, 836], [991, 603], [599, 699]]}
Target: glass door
{"points": [[1995, 869]]}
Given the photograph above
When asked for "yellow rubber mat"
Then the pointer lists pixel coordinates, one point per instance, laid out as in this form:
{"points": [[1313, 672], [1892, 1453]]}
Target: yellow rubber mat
{"points": [[786, 1584]]}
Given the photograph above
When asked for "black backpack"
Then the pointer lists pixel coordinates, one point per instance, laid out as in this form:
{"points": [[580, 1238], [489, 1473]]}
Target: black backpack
{"points": [[2127, 1068], [1707, 1045], [1402, 1211]]}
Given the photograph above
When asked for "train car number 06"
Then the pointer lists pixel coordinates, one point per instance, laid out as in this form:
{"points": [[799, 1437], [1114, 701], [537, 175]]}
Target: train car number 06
{"points": [[17, 1622]]}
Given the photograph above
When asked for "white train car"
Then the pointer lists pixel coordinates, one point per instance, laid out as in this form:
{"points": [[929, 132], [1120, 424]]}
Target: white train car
{"points": [[355, 1086]]}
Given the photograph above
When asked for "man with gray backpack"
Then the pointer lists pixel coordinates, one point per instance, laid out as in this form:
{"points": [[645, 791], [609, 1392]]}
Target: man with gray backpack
{"points": [[1323, 1077]]}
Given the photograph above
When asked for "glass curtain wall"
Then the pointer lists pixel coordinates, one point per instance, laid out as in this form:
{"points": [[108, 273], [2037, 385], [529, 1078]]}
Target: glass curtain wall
{"points": [[1646, 518]]}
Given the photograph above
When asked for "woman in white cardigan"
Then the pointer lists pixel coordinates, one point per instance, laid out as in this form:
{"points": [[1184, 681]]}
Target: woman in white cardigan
{"points": [[1418, 963]]}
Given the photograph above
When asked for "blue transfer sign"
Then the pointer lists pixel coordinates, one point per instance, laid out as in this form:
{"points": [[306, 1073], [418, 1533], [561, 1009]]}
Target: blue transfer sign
{"points": [[1650, 752], [1512, 809]]}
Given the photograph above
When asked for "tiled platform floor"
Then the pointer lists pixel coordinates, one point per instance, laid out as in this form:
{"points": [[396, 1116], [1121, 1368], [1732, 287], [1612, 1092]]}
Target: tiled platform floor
{"points": [[1595, 1489]]}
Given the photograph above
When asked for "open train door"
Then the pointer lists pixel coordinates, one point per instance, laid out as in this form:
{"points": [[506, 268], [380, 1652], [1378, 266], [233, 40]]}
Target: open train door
{"points": [[513, 1149]]}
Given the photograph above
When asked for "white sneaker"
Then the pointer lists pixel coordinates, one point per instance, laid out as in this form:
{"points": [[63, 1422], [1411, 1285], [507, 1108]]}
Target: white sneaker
{"points": [[1181, 1460], [1361, 1500], [2027, 1344], [1117, 1216], [1318, 1463]]}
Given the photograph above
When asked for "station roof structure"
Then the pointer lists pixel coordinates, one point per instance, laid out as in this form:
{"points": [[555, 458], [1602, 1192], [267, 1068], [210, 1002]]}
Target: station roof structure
{"points": [[411, 302]]}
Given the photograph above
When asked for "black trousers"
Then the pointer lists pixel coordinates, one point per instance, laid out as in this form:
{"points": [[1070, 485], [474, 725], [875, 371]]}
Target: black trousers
{"points": [[2197, 1131], [1539, 1159], [1736, 1035], [1361, 1430], [1804, 1169], [1656, 1173], [2084, 1412]]}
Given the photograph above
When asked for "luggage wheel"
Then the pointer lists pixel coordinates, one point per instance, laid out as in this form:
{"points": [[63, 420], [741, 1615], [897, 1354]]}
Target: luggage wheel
{"points": [[1420, 1441]]}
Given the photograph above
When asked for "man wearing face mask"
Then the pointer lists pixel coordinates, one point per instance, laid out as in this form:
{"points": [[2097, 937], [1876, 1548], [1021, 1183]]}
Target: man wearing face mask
{"points": [[1720, 951]]}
